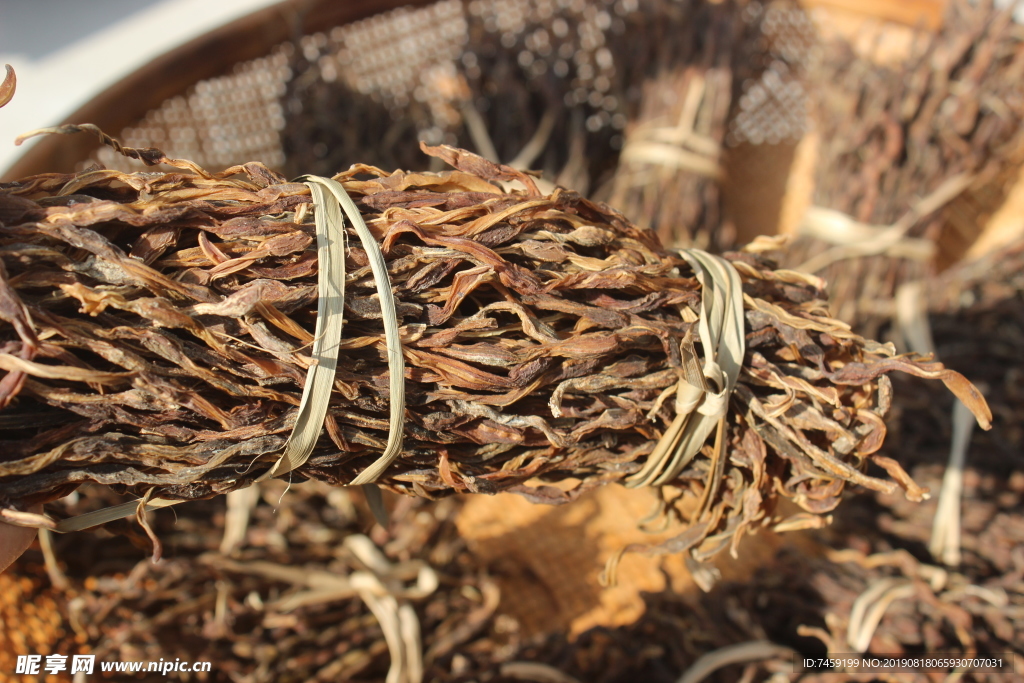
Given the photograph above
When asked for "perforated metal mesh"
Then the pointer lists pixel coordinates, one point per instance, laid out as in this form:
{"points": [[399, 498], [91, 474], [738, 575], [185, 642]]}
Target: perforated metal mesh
{"points": [[773, 106], [220, 121]]}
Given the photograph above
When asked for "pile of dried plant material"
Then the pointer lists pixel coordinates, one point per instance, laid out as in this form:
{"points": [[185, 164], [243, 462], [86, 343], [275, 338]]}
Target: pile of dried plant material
{"points": [[272, 598], [976, 319], [883, 594], [281, 598], [862, 585], [156, 333], [875, 588], [915, 155], [887, 556], [669, 165], [295, 592]]}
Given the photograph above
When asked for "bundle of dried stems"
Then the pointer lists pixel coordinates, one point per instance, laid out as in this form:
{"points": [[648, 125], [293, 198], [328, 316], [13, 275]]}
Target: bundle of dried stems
{"points": [[564, 88], [915, 157], [156, 329]]}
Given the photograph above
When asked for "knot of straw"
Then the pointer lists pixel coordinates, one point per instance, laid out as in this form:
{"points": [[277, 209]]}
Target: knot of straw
{"points": [[702, 394]]}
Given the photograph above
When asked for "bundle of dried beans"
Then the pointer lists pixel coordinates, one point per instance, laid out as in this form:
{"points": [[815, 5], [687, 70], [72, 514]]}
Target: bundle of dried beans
{"points": [[154, 328]]}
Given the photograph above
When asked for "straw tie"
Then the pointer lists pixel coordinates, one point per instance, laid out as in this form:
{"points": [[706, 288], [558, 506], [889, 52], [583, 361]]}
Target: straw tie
{"points": [[702, 397]]}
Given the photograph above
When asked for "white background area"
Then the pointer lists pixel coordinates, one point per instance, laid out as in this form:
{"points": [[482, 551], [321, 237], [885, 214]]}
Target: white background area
{"points": [[65, 52]]}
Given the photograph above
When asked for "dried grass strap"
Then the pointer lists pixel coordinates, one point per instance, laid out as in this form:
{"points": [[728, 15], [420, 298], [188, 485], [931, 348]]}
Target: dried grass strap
{"points": [[316, 394], [699, 409], [396, 362], [330, 310]]}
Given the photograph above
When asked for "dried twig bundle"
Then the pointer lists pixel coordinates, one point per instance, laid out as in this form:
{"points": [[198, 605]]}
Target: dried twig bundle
{"points": [[156, 328], [918, 154], [667, 175]]}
